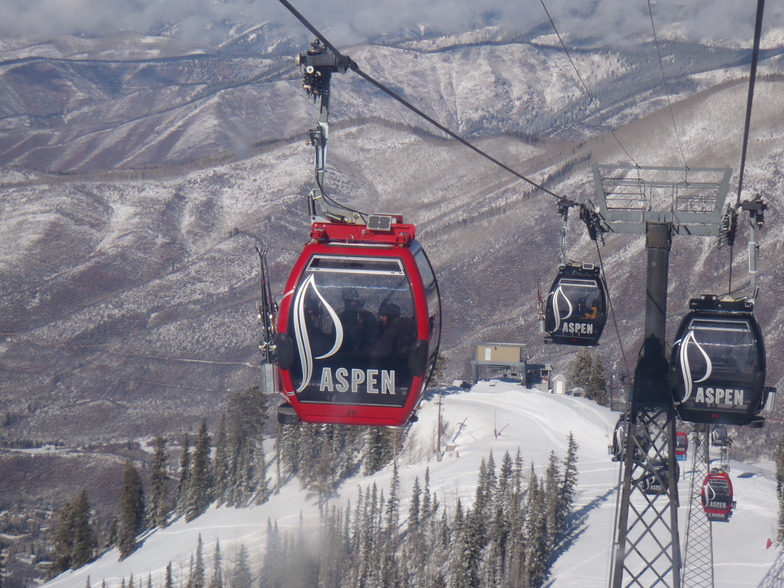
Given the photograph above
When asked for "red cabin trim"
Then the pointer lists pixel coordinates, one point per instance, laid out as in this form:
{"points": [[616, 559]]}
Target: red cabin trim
{"points": [[399, 233]]}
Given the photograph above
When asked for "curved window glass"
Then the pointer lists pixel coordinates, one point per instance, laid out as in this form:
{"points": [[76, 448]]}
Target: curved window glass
{"points": [[576, 311], [718, 363], [353, 323]]}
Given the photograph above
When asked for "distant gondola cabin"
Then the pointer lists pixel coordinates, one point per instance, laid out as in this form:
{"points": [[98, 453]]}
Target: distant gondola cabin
{"points": [[576, 306], [717, 496], [681, 445]]}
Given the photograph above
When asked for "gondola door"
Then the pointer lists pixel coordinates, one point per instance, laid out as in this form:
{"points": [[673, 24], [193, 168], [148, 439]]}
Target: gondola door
{"points": [[359, 327]]}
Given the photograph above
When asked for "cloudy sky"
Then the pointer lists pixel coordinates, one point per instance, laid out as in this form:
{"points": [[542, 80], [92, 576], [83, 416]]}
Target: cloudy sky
{"points": [[348, 21]]}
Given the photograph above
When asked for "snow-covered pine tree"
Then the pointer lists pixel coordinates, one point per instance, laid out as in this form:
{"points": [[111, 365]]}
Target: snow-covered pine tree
{"points": [[216, 580], [85, 542], [185, 472], [200, 478], [131, 521], [414, 506], [569, 484], [220, 464], [273, 569], [159, 503], [426, 501], [197, 578], [240, 574]]}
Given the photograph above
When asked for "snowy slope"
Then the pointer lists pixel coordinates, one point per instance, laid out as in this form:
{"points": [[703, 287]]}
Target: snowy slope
{"points": [[495, 416]]}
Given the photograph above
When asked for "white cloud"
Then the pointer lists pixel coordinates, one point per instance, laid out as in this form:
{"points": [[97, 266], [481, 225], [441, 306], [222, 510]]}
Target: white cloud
{"points": [[351, 21]]}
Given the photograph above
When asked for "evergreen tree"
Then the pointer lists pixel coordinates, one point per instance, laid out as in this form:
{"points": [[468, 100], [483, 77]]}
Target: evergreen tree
{"points": [[536, 553], [85, 542], [159, 507], [62, 552], [588, 373], [552, 504], [323, 480], [220, 464], [467, 554], [197, 569], [379, 449], [597, 382], [569, 484], [131, 521], [273, 571], [168, 581], [414, 504], [779, 457], [779, 460], [185, 472], [217, 568], [393, 504], [200, 484], [582, 367], [245, 463], [426, 502], [240, 572]]}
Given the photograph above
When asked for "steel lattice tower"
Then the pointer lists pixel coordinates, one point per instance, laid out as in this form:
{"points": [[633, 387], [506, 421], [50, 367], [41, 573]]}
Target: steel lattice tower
{"points": [[648, 549], [698, 550], [659, 203], [775, 576]]}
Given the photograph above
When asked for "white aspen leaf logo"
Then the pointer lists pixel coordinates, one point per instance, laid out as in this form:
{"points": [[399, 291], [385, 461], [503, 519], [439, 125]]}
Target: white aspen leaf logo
{"points": [[683, 357], [301, 330], [558, 298]]}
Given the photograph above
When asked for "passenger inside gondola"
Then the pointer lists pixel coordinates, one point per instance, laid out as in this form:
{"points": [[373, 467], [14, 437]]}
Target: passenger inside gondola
{"points": [[320, 341], [397, 332], [591, 309], [360, 327]]}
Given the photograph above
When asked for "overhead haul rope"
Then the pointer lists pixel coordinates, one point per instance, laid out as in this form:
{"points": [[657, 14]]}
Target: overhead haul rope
{"points": [[747, 125], [667, 88], [594, 101], [353, 66], [589, 216]]}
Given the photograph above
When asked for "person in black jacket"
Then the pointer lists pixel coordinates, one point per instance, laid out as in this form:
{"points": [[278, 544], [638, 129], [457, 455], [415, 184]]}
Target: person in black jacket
{"points": [[397, 332], [360, 327]]}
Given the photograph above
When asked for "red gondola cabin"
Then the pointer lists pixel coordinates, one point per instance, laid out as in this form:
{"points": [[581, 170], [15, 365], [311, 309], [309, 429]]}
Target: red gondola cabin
{"points": [[717, 496], [359, 325]]}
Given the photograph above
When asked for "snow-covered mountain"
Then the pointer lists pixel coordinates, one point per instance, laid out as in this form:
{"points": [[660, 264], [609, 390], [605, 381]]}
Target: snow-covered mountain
{"points": [[494, 416], [136, 188], [140, 170]]}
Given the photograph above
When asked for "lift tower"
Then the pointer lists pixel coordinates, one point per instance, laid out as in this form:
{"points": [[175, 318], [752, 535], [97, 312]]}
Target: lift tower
{"points": [[658, 202]]}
